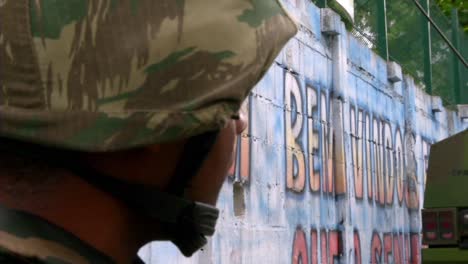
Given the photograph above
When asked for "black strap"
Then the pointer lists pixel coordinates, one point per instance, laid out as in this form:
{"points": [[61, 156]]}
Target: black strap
{"points": [[138, 260], [137, 196], [195, 152], [189, 221]]}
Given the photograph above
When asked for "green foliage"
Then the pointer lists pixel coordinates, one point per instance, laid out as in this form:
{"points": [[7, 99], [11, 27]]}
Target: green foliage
{"points": [[405, 37], [461, 5], [407, 42]]}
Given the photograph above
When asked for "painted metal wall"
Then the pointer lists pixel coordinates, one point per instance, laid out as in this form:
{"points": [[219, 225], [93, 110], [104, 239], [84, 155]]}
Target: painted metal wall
{"points": [[332, 166]]}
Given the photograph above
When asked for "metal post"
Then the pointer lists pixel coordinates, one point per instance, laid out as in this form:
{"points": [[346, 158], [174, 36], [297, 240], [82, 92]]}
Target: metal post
{"points": [[426, 39], [382, 28], [456, 61], [322, 3]]}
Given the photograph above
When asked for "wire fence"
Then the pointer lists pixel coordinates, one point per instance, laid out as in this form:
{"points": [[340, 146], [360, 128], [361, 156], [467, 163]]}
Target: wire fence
{"points": [[411, 39], [407, 32]]}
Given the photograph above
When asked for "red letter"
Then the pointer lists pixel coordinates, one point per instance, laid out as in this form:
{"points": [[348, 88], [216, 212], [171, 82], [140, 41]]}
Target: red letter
{"points": [[357, 248], [388, 246], [323, 246], [398, 249], [415, 249], [376, 249], [407, 249], [335, 247], [313, 246], [299, 248]]}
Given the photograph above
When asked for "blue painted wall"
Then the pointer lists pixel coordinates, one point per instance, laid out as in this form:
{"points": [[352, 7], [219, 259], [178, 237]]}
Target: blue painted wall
{"points": [[332, 166]]}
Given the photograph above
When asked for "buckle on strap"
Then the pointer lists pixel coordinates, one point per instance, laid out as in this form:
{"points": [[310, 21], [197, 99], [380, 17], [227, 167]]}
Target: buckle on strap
{"points": [[194, 223], [172, 209], [189, 222], [202, 217]]}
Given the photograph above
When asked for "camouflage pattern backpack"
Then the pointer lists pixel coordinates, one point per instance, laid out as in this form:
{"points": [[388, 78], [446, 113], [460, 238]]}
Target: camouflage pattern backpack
{"points": [[100, 75]]}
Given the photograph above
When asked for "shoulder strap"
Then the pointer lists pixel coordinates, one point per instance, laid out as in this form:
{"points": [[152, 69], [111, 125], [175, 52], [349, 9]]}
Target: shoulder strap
{"points": [[195, 152]]}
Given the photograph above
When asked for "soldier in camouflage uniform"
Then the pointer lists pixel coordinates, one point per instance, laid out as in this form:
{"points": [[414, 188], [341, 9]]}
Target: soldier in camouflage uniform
{"points": [[123, 85]]}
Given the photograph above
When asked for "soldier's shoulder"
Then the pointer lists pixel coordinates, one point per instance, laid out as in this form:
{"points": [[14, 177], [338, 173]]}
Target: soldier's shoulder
{"points": [[10, 257], [28, 238]]}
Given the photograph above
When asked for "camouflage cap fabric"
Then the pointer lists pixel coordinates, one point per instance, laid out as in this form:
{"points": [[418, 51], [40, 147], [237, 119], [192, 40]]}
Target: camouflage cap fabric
{"points": [[106, 75]]}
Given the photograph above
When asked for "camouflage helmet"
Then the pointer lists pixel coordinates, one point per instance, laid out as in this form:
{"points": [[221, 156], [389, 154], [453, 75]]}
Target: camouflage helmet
{"points": [[114, 74]]}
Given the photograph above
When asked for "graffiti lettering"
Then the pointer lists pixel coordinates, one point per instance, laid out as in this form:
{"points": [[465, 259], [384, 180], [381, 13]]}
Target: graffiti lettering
{"points": [[376, 249], [357, 248], [388, 163], [388, 248], [295, 160], [367, 147], [300, 248], [407, 249], [323, 246], [395, 248], [415, 249], [334, 246], [356, 151], [378, 156], [399, 165], [313, 141], [327, 144], [313, 246], [338, 151], [330, 247], [377, 153], [320, 140]]}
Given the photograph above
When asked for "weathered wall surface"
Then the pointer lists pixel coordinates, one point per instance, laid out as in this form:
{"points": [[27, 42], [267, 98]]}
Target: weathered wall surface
{"points": [[332, 167]]}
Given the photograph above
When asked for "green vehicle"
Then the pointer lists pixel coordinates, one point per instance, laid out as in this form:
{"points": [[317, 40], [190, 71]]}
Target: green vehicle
{"points": [[445, 213]]}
